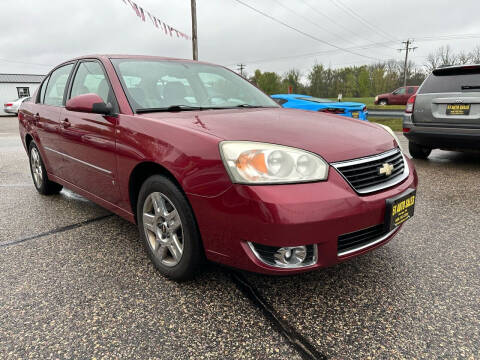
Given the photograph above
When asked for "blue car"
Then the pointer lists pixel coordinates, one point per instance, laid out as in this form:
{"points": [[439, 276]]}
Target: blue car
{"points": [[305, 102]]}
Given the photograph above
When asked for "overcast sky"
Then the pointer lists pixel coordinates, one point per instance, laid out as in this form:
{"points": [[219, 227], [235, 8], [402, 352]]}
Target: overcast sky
{"points": [[38, 34]]}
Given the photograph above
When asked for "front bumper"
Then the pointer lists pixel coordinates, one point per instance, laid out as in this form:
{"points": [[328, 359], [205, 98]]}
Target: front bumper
{"points": [[290, 215], [441, 136]]}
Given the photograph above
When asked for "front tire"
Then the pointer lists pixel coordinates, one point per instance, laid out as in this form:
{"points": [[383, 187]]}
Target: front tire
{"points": [[383, 102], [418, 151], [168, 228], [39, 175]]}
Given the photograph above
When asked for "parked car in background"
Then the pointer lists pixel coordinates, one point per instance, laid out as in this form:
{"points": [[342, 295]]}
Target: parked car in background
{"points": [[11, 107], [445, 112], [396, 97], [232, 177], [305, 102]]}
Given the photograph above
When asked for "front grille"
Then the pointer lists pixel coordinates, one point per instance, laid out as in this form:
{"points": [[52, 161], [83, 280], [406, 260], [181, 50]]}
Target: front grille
{"points": [[364, 174], [355, 241], [266, 254]]}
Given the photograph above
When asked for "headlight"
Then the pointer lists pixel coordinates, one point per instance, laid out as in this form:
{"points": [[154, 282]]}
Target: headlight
{"points": [[390, 131], [376, 98], [259, 163]]}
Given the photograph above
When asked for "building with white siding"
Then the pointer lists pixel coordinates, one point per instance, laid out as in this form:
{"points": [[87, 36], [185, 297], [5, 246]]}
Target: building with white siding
{"points": [[14, 86]]}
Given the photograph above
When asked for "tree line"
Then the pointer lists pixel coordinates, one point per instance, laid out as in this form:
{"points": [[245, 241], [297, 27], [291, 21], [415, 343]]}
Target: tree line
{"points": [[359, 81]]}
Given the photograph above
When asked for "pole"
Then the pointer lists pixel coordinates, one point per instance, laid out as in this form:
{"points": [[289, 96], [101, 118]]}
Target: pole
{"points": [[240, 68], [194, 31], [407, 44], [407, 49]]}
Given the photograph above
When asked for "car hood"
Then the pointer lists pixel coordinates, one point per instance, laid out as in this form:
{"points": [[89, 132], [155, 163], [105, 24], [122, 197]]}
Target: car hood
{"points": [[333, 137]]}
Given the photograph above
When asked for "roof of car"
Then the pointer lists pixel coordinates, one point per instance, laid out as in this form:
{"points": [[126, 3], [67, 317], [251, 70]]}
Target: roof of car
{"points": [[21, 78], [451, 69], [126, 56]]}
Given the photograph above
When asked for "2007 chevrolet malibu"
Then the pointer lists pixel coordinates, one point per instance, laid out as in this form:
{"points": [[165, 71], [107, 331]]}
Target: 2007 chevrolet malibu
{"points": [[209, 167]]}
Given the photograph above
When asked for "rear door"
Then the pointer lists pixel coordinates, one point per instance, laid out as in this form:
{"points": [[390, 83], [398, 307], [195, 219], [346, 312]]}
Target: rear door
{"points": [[88, 140], [46, 116], [450, 96]]}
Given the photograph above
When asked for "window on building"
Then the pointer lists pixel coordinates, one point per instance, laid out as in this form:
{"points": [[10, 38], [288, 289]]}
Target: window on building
{"points": [[23, 92]]}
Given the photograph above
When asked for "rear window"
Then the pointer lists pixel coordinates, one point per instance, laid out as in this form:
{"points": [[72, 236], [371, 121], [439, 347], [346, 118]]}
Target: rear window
{"points": [[451, 81]]}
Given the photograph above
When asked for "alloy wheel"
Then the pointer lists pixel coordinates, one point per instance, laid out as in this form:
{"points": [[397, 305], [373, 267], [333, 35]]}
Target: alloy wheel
{"points": [[36, 165], [163, 229]]}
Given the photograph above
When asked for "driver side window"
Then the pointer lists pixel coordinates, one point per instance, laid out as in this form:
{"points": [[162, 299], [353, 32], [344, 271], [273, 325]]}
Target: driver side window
{"points": [[90, 79], [399, 91]]}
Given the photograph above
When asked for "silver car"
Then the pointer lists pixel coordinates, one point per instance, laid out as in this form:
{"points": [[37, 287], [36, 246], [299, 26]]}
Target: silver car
{"points": [[12, 107], [445, 112]]}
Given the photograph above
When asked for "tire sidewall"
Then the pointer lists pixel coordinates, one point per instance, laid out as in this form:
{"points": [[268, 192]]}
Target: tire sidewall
{"points": [[192, 251], [43, 188]]}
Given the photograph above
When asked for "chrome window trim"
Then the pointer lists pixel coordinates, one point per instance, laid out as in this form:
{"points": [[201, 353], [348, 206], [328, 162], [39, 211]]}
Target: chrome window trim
{"points": [[394, 181], [80, 161], [371, 243], [286, 266]]}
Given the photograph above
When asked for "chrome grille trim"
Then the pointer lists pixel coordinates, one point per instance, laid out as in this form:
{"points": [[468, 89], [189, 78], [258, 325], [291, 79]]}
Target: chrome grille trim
{"points": [[389, 181]]}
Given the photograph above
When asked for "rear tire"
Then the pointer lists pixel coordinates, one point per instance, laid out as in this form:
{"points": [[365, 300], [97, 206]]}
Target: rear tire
{"points": [[167, 226], [39, 175], [418, 151], [383, 102]]}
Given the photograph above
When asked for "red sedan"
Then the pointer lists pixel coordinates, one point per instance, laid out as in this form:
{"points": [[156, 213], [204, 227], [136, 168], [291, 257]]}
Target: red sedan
{"points": [[210, 167]]}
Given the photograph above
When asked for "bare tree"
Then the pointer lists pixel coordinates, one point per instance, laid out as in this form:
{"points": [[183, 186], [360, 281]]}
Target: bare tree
{"points": [[440, 57], [475, 55]]}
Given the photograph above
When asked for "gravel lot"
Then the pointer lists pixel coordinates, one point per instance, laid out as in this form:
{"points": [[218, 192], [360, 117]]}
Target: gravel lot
{"points": [[73, 287]]}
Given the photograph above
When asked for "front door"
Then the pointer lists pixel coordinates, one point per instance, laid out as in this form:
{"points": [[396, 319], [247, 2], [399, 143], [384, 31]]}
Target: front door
{"points": [[89, 139]]}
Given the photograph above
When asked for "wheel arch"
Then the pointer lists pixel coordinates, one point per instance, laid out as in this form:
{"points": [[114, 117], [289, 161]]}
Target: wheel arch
{"points": [[142, 172], [28, 140]]}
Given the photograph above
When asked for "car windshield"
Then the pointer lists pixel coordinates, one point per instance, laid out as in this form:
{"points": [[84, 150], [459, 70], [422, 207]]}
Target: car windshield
{"points": [[165, 85], [315, 99]]}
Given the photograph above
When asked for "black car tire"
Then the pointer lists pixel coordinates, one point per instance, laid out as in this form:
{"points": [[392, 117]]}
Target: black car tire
{"points": [[192, 254], [43, 185], [383, 102], [418, 151]]}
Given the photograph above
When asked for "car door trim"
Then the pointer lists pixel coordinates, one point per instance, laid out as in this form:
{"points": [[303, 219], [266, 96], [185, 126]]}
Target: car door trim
{"points": [[80, 161]]}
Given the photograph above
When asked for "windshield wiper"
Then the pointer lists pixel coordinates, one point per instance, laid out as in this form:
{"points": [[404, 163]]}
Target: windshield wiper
{"points": [[470, 87], [172, 108], [251, 106]]}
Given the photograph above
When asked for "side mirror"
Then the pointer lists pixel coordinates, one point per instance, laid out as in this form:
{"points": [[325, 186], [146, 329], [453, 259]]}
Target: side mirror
{"points": [[89, 103]]}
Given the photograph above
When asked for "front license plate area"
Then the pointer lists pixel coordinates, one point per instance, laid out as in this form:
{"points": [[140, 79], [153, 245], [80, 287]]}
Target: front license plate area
{"points": [[458, 109], [400, 209], [355, 114]]}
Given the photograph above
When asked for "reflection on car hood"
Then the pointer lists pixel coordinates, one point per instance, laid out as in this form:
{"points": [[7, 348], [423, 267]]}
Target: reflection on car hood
{"points": [[335, 138]]}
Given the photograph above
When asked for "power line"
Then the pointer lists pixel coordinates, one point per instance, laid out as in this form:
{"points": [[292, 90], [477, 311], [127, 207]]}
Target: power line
{"points": [[339, 3], [23, 62], [303, 32], [337, 23], [362, 47], [311, 22]]}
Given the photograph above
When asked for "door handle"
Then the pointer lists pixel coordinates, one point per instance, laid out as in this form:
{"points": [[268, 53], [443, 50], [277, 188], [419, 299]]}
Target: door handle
{"points": [[65, 123]]}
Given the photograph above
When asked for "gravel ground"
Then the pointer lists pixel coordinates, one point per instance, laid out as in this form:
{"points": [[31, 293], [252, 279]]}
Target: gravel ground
{"points": [[91, 292]]}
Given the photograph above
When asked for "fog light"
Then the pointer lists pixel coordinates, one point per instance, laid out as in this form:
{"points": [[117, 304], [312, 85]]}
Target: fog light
{"points": [[292, 255]]}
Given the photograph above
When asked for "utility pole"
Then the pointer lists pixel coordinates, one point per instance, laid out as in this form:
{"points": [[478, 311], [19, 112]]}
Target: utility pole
{"points": [[407, 49], [240, 68], [194, 30]]}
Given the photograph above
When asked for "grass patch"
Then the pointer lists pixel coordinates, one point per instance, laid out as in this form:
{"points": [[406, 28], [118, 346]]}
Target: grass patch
{"points": [[370, 105], [394, 123]]}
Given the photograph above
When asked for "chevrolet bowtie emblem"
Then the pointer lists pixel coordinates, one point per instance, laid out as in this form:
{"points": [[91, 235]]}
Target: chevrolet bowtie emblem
{"points": [[386, 169]]}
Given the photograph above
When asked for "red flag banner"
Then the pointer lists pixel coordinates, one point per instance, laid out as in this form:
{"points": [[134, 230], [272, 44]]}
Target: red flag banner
{"points": [[140, 12]]}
